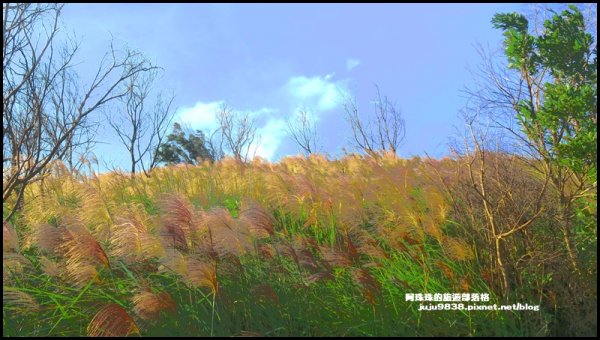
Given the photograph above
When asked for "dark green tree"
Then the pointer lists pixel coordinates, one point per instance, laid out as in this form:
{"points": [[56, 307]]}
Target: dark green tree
{"points": [[186, 146]]}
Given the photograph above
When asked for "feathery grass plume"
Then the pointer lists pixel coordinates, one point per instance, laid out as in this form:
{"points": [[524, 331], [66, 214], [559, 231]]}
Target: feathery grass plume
{"points": [[321, 276], [112, 320], [488, 277], [448, 272], [266, 251], [312, 218], [276, 190], [79, 243], [125, 240], [335, 258], [59, 169], [350, 247], [294, 204], [260, 221], [47, 238], [328, 205], [174, 262], [46, 208], [230, 265], [13, 264], [95, 213], [265, 293], [285, 249], [227, 235], [49, 267], [305, 257], [83, 253], [442, 212], [366, 280], [398, 237], [368, 246], [457, 249], [318, 161], [432, 228], [148, 305], [131, 241], [464, 284], [369, 295], [370, 286], [201, 274], [351, 211], [415, 227], [178, 220], [79, 272], [19, 301], [205, 247], [307, 242], [400, 283], [304, 186], [10, 241], [59, 198]]}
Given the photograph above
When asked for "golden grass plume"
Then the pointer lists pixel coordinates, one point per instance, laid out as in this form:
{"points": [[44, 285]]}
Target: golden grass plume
{"points": [[112, 320], [148, 305], [19, 301]]}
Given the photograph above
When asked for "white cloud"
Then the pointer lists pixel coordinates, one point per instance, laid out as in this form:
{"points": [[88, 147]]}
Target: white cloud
{"points": [[270, 137], [318, 93], [351, 63], [262, 112], [201, 116]]}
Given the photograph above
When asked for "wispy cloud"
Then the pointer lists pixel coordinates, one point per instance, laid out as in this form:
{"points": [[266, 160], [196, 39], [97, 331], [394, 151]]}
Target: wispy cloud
{"points": [[201, 116], [351, 63], [319, 93], [270, 137], [262, 112]]}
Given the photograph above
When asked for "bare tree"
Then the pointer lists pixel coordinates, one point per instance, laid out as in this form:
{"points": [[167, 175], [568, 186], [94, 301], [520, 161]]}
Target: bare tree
{"points": [[385, 133], [80, 145], [44, 108], [303, 132], [140, 128], [498, 94], [511, 201], [237, 131]]}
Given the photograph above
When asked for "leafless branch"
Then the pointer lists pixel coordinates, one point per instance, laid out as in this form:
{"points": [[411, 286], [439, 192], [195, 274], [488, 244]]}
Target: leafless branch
{"points": [[303, 132], [238, 132], [385, 133], [45, 111]]}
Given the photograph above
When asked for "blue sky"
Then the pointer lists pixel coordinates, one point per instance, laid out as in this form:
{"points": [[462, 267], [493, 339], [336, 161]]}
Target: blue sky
{"points": [[271, 59]]}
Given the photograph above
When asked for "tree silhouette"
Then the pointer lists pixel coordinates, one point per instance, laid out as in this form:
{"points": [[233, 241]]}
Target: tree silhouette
{"points": [[186, 146]]}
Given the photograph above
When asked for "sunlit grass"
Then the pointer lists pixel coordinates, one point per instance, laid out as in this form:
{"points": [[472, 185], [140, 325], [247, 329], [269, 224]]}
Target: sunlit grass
{"points": [[304, 247]]}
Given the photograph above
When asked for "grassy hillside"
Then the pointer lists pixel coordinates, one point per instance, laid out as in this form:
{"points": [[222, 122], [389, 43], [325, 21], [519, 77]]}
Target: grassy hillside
{"points": [[307, 246]]}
